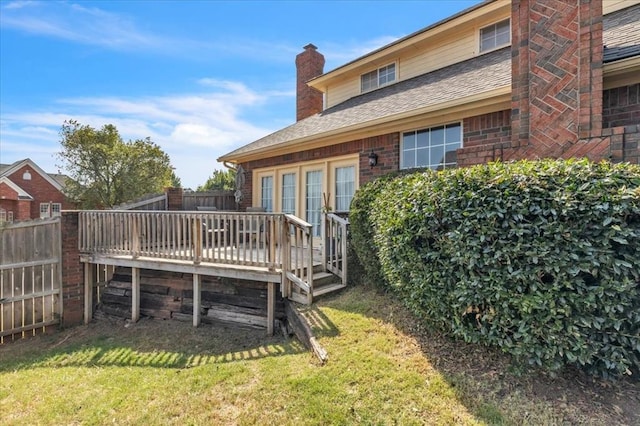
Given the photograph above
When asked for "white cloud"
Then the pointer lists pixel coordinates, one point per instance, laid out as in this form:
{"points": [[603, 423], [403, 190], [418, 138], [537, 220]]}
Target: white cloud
{"points": [[194, 129], [76, 23]]}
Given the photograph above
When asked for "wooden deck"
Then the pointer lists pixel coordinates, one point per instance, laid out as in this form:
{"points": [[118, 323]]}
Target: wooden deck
{"points": [[273, 248]]}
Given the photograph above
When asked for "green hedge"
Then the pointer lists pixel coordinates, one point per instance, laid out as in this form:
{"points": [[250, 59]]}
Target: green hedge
{"points": [[541, 259]]}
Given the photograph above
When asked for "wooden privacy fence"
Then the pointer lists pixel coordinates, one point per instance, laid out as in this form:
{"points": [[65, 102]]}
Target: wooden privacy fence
{"points": [[30, 277], [221, 200], [150, 202], [207, 200]]}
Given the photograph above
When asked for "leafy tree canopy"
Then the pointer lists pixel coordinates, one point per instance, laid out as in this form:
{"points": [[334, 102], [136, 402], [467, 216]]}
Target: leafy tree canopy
{"points": [[176, 182], [105, 170], [220, 180]]}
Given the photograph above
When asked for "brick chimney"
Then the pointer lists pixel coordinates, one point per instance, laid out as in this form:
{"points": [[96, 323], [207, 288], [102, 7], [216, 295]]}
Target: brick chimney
{"points": [[556, 48], [309, 64]]}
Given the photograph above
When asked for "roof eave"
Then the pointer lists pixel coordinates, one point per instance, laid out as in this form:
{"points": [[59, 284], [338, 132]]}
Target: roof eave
{"points": [[623, 72], [495, 97]]}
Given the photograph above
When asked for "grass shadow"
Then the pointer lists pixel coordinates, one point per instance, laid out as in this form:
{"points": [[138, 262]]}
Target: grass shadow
{"points": [[320, 323], [148, 343]]}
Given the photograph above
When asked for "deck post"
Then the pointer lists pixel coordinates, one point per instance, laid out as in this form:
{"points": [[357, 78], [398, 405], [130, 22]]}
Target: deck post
{"points": [[197, 279], [88, 292], [271, 307], [135, 294]]}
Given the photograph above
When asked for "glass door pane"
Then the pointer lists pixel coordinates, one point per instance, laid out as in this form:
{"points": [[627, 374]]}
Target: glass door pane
{"points": [[345, 187], [267, 193], [314, 200], [289, 193]]}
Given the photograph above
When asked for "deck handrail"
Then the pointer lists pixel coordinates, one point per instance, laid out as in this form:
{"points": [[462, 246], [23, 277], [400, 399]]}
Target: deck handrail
{"points": [[217, 237], [334, 249], [297, 269], [275, 241]]}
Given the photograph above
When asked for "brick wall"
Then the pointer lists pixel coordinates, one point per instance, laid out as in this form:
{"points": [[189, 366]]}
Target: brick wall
{"points": [[9, 202], [385, 146], [556, 75], [621, 106], [485, 138], [625, 143], [174, 198], [40, 189], [72, 271]]}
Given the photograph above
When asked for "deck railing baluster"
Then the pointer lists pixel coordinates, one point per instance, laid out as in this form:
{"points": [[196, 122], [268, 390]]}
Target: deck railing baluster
{"points": [[255, 239]]}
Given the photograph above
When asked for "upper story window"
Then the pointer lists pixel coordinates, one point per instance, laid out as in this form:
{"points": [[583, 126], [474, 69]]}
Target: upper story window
{"points": [[495, 35], [434, 147], [378, 78]]}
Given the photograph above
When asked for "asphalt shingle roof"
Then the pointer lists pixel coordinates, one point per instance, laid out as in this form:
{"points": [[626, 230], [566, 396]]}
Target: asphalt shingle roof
{"points": [[621, 38], [474, 76], [621, 34]]}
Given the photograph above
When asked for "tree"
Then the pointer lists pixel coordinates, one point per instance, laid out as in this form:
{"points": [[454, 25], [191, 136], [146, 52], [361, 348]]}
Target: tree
{"points": [[105, 170], [175, 180], [222, 180]]}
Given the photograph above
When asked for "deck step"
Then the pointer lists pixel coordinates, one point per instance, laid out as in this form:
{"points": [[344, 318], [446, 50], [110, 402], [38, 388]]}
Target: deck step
{"points": [[319, 291], [323, 278]]}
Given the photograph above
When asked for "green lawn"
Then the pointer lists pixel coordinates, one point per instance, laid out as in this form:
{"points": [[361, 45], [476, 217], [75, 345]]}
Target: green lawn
{"points": [[382, 369]]}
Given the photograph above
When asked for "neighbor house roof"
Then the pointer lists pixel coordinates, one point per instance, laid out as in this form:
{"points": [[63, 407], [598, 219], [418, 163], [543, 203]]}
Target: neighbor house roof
{"points": [[56, 180], [482, 74], [22, 194]]}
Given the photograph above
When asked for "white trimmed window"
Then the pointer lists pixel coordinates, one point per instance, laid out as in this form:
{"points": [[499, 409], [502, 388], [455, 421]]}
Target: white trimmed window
{"points": [[495, 35], [378, 78], [434, 147], [55, 210], [266, 200]]}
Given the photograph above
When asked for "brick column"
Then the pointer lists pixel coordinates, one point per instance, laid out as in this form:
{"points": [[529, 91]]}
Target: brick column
{"points": [[72, 271], [556, 75], [174, 198], [309, 64]]}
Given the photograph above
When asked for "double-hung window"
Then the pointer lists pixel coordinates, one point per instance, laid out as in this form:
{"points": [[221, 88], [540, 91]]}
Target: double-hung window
{"points": [[378, 78], [495, 35], [434, 147]]}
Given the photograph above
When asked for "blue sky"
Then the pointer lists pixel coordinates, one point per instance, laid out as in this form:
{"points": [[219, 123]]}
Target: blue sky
{"points": [[200, 78]]}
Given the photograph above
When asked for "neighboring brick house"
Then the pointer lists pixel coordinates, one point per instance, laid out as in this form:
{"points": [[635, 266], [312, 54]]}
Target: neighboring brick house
{"points": [[499, 81], [28, 192]]}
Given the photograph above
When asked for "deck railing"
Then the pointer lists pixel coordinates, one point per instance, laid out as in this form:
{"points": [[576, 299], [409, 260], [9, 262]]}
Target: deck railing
{"points": [[298, 259], [334, 249], [269, 240]]}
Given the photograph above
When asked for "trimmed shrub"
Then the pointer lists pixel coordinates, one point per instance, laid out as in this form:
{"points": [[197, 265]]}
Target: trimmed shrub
{"points": [[541, 259], [361, 228]]}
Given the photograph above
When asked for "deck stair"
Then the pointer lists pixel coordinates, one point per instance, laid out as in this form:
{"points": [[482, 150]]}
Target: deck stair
{"points": [[324, 282]]}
